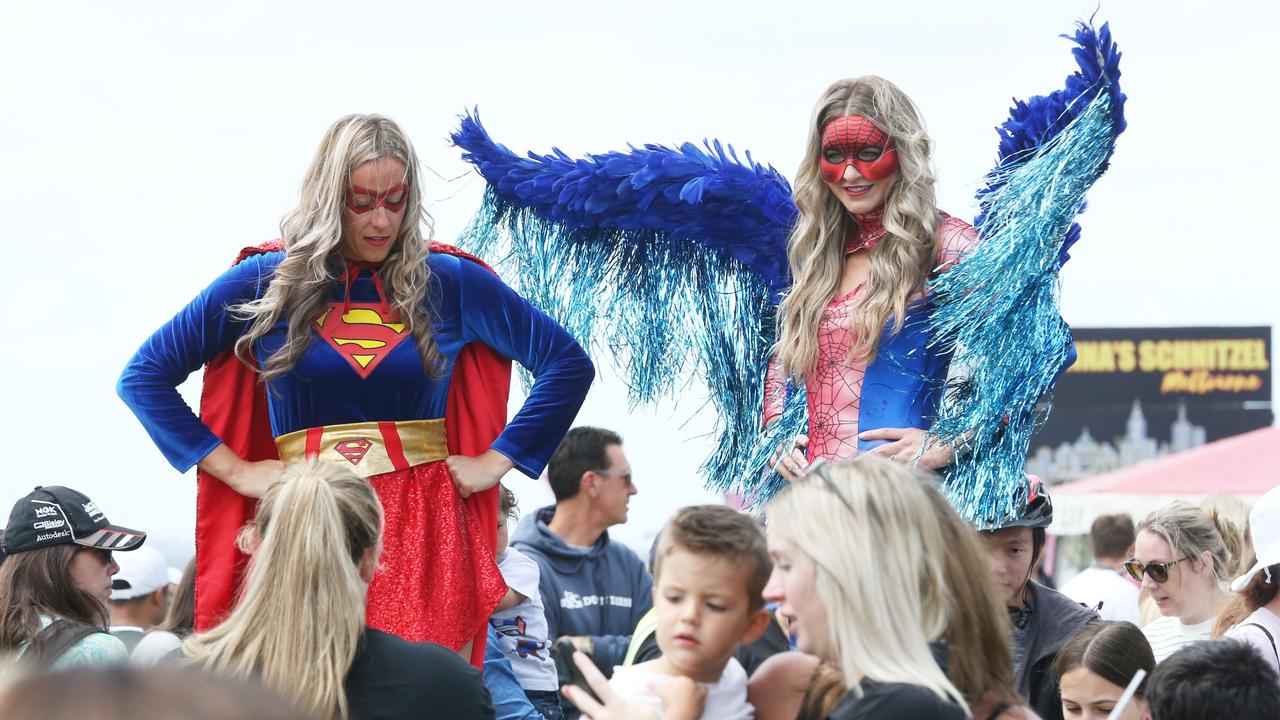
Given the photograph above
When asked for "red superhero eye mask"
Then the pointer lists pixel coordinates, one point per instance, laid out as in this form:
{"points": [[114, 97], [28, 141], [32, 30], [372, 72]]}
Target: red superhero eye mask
{"points": [[855, 140], [362, 200]]}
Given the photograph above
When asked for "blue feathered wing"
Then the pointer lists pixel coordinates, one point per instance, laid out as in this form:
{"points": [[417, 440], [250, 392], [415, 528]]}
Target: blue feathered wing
{"points": [[672, 258], [998, 310]]}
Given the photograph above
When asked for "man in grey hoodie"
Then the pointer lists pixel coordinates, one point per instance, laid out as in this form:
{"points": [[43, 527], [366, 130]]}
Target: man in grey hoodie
{"points": [[594, 591]]}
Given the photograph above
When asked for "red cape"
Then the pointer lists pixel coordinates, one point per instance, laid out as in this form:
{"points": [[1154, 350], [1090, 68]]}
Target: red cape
{"points": [[234, 406]]}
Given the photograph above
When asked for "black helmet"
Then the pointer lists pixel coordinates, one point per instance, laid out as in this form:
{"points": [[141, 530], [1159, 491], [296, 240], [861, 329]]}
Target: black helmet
{"points": [[1035, 509]]}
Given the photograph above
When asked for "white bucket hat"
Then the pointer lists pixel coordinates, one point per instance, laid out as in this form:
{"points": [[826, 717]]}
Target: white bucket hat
{"points": [[1264, 526]]}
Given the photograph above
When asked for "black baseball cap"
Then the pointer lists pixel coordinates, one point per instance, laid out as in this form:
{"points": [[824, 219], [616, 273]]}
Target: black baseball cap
{"points": [[55, 515]]}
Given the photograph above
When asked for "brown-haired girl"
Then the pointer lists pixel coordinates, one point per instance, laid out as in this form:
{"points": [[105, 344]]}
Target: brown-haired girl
{"points": [[56, 580], [1096, 666]]}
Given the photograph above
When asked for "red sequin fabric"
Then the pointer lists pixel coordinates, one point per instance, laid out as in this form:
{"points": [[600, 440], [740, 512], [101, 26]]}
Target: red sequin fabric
{"points": [[437, 579]]}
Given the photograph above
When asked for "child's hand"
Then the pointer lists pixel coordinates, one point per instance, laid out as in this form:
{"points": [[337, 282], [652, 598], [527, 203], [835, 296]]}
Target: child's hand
{"points": [[682, 698], [612, 707]]}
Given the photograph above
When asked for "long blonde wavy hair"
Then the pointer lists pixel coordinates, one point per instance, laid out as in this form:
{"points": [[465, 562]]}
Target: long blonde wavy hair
{"points": [[880, 558], [903, 259], [312, 235], [301, 613]]}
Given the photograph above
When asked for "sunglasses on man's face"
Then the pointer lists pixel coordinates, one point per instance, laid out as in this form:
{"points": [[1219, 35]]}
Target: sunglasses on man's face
{"points": [[609, 472], [1159, 571]]}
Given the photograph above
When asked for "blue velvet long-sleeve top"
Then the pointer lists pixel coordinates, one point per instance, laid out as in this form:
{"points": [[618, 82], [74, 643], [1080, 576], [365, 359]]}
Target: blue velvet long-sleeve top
{"points": [[326, 387]]}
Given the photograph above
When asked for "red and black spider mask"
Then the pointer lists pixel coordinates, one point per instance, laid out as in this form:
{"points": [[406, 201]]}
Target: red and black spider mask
{"points": [[855, 140]]}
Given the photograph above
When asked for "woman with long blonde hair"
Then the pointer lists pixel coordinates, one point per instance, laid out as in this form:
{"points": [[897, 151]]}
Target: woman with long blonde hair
{"points": [[875, 604], [978, 660], [299, 628], [822, 311], [356, 326], [868, 238]]}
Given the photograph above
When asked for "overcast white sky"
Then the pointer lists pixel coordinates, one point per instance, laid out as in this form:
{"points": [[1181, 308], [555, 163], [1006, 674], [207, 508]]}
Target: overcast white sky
{"points": [[146, 142]]}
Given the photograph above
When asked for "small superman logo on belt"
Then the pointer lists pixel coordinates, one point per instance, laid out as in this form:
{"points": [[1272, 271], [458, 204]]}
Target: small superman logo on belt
{"points": [[353, 450]]}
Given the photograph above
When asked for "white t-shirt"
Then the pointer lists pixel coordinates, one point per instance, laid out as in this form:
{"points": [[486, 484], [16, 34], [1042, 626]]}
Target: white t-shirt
{"points": [[1094, 585], [523, 628], [1168, 634], [1265, 646], [726, 699], [153, 647]]}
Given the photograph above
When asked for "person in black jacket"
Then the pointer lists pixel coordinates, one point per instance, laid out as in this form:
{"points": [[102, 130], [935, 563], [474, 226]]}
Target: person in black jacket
{"points": [[300, 624], [1043, 619]]}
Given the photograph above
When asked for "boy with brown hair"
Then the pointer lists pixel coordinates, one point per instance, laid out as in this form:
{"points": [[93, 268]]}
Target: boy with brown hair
{"points": [[710, 571]]}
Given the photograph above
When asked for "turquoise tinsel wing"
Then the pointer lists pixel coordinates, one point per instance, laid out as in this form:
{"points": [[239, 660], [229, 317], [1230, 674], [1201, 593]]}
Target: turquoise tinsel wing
{"points": [[672, 258], [998, 310]]}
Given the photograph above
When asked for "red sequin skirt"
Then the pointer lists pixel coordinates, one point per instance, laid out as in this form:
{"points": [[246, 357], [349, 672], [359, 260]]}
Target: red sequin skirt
{"points": [[437, 579]]}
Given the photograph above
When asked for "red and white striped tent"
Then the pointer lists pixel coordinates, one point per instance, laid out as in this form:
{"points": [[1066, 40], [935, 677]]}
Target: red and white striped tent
{"points": [[1243, 466]]}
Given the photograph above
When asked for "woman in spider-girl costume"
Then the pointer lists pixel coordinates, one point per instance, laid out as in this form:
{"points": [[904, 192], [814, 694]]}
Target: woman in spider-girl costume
{"points": [[363, 334], [828, 316], [868, 238]]}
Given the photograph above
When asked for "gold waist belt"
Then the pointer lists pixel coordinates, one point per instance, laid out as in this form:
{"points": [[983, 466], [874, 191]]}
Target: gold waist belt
{"points": [[369, 448]]}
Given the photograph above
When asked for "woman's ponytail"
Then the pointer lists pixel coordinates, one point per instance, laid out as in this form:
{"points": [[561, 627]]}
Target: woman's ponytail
{"points": [[301, 613]]}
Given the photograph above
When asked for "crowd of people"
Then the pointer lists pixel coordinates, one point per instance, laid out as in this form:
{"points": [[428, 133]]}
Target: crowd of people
{"points": [[912, 614], [354, 550]]}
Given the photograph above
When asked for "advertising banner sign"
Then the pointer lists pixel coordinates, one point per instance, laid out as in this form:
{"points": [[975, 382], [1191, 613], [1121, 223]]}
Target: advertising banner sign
{"points": [[1135, 394]]}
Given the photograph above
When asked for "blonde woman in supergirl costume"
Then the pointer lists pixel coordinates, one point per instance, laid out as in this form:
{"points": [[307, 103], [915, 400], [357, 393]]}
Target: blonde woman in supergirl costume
{"points": [[355, 326]]}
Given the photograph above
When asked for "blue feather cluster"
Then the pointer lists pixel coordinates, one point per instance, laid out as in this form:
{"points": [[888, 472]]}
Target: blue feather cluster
{"points": [[998, 310], [706, 196], [1033, 122], [673, 259]]}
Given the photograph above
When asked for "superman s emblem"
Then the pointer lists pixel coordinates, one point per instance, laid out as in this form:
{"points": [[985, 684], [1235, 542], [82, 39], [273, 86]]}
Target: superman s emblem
{"points": [[362, 335], [353, 450]]}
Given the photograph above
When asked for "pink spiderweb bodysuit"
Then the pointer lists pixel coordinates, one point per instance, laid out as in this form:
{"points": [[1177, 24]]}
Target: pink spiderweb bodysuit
{"points": [[835, 384]]}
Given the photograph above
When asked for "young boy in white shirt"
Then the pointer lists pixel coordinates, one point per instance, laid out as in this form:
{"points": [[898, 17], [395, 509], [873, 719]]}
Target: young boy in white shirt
{"points": [[709, 572], [520, 621]]}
